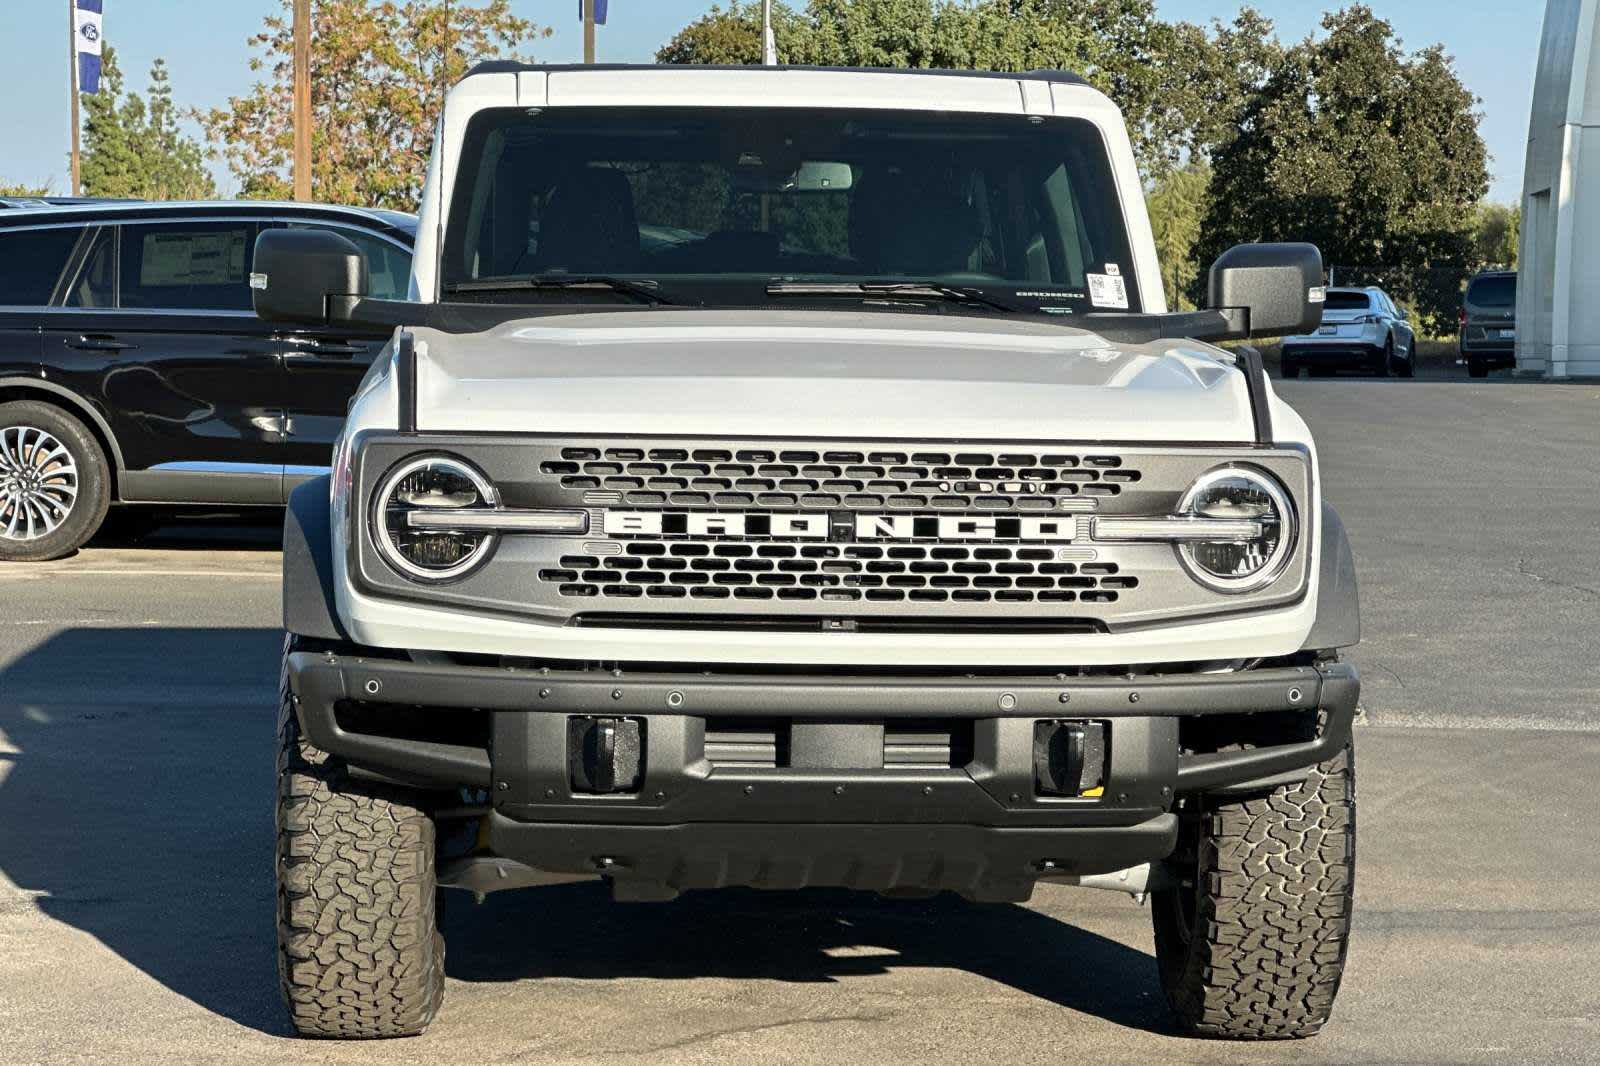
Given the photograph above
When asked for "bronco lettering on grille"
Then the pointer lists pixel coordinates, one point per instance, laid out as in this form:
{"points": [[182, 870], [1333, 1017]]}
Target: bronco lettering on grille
{"points": [[815, 526]]}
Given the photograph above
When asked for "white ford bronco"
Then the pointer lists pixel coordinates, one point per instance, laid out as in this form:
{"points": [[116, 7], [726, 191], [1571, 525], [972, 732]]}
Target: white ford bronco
{"points": [[787, 477]]}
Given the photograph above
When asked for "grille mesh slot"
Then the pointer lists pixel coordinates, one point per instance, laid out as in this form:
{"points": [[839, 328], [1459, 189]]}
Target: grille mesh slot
{"points": [[938, 480], [836, 573]]}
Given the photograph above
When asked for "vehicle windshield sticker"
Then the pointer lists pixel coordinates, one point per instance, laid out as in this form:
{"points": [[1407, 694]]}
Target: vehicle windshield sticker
{"points": [[1107, 290], [1114, 270]]}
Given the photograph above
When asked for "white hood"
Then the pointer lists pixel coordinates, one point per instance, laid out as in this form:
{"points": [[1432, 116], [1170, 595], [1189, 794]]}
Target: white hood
{"points": [[762, 373]]}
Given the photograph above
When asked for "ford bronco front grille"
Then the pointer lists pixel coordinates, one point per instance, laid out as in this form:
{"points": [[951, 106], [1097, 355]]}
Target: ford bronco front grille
{"points": [[910, 479], [839, 573], [847, 535]]}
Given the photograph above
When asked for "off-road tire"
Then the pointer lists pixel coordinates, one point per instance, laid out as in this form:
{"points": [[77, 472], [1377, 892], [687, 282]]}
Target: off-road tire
{"points": [[1289, 368], [1477, 368], [88, 509], [1254, 947], [359, 952]]}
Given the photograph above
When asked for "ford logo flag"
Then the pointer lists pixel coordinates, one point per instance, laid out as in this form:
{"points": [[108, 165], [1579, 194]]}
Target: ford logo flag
{"points": [[89, 45]]}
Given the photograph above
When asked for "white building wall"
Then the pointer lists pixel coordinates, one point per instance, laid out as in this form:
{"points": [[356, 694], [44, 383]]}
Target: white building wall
{"points": [[1558, 301]]}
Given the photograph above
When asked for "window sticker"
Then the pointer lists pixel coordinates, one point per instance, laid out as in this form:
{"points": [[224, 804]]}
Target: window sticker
{"points": [[1108, 290], [193, 259], [1114, 270]]}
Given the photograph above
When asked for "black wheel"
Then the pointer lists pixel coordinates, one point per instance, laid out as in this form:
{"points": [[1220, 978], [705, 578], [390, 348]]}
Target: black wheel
{"points": [[55, 484], [1322, 371], [1477, 368], [1289, 368], [1251, 944], [1385, 365], [1408, 369], [360, 955]]}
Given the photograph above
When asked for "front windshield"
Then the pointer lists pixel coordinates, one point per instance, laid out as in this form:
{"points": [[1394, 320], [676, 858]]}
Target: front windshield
{"points": [[723, 205]]}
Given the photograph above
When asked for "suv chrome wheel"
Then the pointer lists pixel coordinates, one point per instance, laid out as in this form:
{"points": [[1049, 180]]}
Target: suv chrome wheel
{"points": [[38, 483]]}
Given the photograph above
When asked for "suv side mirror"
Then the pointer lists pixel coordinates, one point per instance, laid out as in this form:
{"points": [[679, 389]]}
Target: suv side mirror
{"points": [[1279, 286], [306, 277]]}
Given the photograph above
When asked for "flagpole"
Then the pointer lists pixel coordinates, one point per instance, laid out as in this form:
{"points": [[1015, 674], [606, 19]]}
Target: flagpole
{"points": [[72, 76], [588, 31]]}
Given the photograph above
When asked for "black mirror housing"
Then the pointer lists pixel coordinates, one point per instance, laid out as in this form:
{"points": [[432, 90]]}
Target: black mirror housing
{"points": [[1279, 286], [306, 277]]}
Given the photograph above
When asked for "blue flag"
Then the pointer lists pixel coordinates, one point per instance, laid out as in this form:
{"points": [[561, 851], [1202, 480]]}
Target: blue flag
{"points": [[599, 11], [89, 44]]}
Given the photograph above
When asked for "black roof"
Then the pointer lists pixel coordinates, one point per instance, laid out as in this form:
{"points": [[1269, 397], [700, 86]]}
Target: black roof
{"points": [[509, 66], [102, 211]]}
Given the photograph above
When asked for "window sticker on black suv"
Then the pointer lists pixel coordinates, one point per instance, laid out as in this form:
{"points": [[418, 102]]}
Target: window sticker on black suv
{"points": [[193, 258]]}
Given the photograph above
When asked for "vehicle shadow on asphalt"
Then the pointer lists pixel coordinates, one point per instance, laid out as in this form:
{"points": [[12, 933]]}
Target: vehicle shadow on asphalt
{"points": [[813, 936], [136, 770], [136, 773]]}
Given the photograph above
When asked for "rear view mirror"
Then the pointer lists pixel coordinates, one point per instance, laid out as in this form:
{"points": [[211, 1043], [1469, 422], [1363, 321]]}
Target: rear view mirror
{"points": [[1278, 286], [823, 177], [306, 277]]}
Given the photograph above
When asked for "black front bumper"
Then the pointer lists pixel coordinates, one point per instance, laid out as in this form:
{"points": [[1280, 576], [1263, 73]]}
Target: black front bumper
{"points": [[977, 826]]}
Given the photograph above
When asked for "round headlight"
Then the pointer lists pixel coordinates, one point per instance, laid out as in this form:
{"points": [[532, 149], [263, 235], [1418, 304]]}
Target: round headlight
{"points": [[1246, 563], [434, 485]]}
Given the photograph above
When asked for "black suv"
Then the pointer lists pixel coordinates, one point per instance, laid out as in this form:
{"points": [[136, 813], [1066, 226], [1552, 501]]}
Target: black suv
{"points": [[1489, 322], [132, 369]]}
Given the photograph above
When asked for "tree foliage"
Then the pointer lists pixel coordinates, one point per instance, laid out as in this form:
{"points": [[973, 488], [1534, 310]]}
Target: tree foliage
{"points": [[23, 191], [1177, 84], [1177, 204], [135, 149], [1497, 236], [1372, 154], [379, 72]]}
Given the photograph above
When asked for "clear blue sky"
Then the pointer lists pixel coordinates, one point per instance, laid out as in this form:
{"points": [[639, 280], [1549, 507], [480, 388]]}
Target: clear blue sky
{"points": [[1495, 43]]}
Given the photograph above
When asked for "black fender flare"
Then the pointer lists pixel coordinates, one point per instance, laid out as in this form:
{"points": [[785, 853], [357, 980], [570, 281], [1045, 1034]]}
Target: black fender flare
{"points": [[1338, 622], [309, 607]]}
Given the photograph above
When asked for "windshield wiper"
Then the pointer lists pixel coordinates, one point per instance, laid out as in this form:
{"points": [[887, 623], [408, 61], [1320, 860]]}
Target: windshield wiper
{"points": [[564, 282], [965, 294]]}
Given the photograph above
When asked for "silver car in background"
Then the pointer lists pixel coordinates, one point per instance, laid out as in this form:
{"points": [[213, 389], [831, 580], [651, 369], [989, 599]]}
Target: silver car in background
{"points": [[1362, 329]]}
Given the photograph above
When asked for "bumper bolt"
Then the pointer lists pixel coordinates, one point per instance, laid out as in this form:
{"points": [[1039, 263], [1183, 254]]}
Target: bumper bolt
{"points": [[1008, 702], [1295, 695], [1065, 697], [616, 693], [373, 686], [549, 793], [749, 790], [674, 699], [927, 790], [502, 786], [1133, 697], [544, 694], [838, 790]]}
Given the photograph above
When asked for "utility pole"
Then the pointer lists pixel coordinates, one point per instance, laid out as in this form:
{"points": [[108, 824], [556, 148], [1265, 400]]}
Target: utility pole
{"points": [[302, 99], [769, 43], [72, 76], [588, 31]]}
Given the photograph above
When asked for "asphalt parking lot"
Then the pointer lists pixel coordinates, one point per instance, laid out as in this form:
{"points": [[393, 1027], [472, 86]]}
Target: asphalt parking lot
{"points": [[136, 708]]}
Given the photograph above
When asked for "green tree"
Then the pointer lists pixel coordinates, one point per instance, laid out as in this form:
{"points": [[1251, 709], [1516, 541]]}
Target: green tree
{"points": [[1177, 204], [1370, 153], [1177, 84], [136, 149], [379, 72], [1497, 236], [23, 190]]}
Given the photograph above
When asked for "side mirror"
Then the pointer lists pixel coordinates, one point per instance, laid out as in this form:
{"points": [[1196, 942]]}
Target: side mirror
{"points": [[306, 277], [1279, 286]]}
